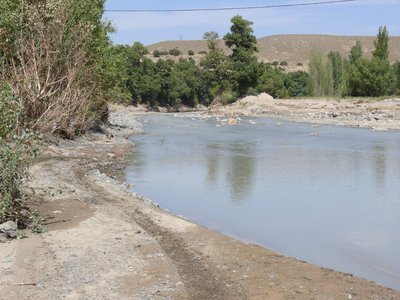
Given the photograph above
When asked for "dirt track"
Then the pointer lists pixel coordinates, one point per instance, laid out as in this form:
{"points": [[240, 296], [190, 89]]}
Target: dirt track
{"points": [[105, 243]]}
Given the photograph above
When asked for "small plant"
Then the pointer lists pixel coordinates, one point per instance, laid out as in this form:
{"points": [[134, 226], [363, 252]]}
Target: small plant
{"points": [[228, 97], [275, 63], [15, 150], [202, 52], [156, 53], [190, 52], [283, 63], [163, 52], [299, 64], [174, 52], [36, 223]]}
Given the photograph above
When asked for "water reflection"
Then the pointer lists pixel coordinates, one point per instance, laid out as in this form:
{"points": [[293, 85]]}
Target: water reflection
{"points": [[379, 161], [240, 171], [331, 199], [213, 161]]}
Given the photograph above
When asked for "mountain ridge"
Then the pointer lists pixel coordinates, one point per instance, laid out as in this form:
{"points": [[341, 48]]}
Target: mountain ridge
{"points": [[292, 48]]}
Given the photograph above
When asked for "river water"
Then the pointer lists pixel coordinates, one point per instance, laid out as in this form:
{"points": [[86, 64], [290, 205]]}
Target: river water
{"points": [[327, 195]]}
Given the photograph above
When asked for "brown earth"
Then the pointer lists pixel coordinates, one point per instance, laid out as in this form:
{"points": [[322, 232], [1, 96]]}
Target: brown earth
{"points": [[103, 242], [377, 114], [293, 48]]}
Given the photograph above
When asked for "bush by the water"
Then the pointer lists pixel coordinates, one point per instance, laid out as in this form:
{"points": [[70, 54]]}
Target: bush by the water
{"points": [[54, 57], [15, 149]]}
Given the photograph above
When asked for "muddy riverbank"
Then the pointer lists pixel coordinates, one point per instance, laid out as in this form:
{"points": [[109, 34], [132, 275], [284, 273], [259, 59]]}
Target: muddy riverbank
{"points": [[105, 243]]}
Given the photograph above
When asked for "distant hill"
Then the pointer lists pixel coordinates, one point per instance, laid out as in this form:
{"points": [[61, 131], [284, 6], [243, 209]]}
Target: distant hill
{"points": [[294, 49]]}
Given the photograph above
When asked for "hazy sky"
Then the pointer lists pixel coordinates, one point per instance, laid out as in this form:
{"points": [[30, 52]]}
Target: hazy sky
{"points": [[362, 17]]}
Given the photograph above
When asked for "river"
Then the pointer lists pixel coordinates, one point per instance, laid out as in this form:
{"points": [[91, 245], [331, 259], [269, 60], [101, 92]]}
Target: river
{"points": [[327, 195]]}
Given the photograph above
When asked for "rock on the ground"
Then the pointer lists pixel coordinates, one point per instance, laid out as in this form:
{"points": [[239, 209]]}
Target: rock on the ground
{"points": [[125, 119], [9, 229]]}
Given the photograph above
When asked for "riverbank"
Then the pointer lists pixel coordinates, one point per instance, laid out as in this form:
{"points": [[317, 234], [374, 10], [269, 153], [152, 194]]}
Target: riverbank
{"points": [[383, 114], [105, 243]]}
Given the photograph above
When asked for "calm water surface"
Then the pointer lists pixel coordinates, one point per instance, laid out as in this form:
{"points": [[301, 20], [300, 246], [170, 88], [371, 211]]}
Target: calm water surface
{"points": [[331, 198]]}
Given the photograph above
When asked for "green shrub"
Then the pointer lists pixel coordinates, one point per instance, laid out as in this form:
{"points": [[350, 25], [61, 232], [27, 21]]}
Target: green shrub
{"points": [[174, 52], [190, 52], [299, 64], [228, 97], [14, 153], [156, 53], [283, 63], [275, 63], [298, 84], [202, 52]]}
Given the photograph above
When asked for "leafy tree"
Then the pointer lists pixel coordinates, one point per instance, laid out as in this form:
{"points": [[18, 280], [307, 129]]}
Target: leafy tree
{"points": [[212, 39], [355, 53], [321, 75], [243, 64], [188, 82], [381, 44], [271, 81], [214, 66], [371, 78], [53, 56], [298, 84], [338, 73], [396, 75], [241, 37]]}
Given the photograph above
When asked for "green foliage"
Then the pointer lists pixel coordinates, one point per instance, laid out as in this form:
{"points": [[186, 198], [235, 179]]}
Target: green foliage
{"points": [[228, 97], [241, 37], [396, 75], [283, 63], [54, 57], [370, 78], [215, 71], [381, 44], [190, 52], [15, 150], [202, 52], [36, 223], [298, 84], [338, 73], [243, 65], [212, 39], [272, 81], [321, 73], [174, 52], [156, 53], [355, 53]]}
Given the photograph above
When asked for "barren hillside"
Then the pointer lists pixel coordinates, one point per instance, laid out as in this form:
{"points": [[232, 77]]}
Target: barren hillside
{"points": [[294, 49]]}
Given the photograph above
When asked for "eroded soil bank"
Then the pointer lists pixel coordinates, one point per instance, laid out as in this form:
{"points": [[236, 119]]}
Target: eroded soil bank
{"points": [[105, 243]]}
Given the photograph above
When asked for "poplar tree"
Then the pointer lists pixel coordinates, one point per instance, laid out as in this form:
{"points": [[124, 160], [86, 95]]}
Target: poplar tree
{"points": [[381, 44]]}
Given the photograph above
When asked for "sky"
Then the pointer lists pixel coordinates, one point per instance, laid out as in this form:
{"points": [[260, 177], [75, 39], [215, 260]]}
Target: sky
{"points": [[362, 17]]}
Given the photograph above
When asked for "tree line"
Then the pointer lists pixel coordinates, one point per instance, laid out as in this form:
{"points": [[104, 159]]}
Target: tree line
{"points": [[139, 80], [226, 78], [356, 76]]}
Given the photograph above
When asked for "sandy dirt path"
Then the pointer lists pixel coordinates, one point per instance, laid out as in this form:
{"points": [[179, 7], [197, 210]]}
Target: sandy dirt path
{"points": [[106, 243]]}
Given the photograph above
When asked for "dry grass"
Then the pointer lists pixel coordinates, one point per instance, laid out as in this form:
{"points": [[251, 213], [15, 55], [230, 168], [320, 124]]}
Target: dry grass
{"points": [[291, 48]]}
